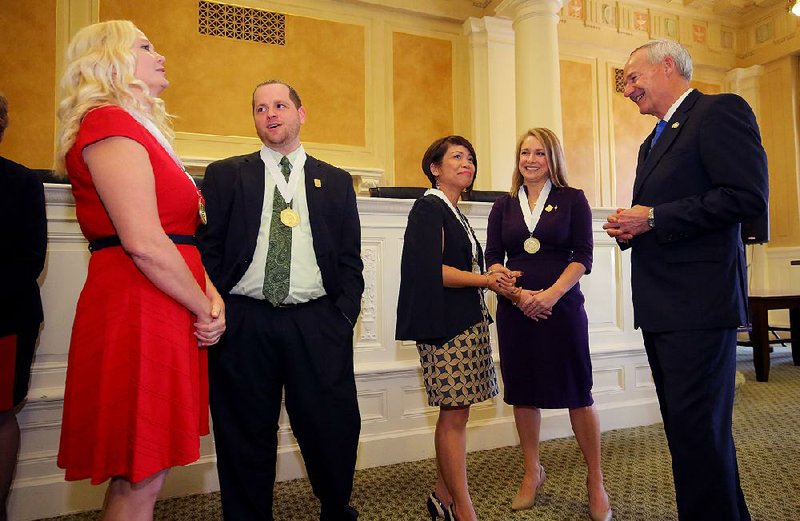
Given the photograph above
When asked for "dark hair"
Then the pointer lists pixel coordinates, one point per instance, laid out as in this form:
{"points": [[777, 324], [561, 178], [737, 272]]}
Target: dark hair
{"points": [[293, 95], [3, 115], [436, 152]]}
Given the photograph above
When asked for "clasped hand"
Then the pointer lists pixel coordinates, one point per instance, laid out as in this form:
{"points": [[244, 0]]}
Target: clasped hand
{"points": [[501, 279], [209, 328], [626, 224], [536, 305]]}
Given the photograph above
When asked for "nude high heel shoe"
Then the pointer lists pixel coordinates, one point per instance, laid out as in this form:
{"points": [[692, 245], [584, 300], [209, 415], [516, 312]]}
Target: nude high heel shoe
{"points": [[524, 502], [602, 515]]}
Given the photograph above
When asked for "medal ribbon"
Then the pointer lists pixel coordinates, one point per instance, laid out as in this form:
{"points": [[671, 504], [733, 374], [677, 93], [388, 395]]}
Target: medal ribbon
{"points": [[286, 189], [154, 131], [532, 216], [151, 127], [463, 220]]}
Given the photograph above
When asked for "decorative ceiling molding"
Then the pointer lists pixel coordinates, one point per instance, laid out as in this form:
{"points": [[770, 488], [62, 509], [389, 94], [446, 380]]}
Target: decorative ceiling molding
{"points": [[451, 10], [739, 12]]}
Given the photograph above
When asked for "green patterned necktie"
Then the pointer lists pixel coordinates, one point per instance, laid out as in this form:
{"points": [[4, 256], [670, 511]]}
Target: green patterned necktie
{"points": [[279, 254]]}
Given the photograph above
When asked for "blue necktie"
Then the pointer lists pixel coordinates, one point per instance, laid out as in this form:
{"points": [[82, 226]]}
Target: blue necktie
{"points": [[659, 128]]}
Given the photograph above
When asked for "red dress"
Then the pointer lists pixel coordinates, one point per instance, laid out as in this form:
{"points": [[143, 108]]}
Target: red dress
{"points": [[136, 397]]}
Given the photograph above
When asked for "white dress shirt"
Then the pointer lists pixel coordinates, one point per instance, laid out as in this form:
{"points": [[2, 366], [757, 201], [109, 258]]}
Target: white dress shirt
{"points": [[305, 278]]}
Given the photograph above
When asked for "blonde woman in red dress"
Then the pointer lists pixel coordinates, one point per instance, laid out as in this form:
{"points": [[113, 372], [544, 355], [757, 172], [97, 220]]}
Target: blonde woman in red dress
{"points": [[136, 400]]}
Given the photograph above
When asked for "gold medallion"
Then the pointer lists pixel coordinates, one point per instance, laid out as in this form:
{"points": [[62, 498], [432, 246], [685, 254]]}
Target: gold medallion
{"points": [[290, 218], [201, 209], [531, 245]]}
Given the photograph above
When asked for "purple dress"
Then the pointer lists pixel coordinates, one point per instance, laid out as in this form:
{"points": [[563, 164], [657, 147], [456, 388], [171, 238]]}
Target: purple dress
{"points": [[544, 364]]}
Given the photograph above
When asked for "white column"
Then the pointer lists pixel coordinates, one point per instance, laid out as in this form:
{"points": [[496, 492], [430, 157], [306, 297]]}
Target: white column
{"points": [[744, 82], [72, 16], [538, 78], [491, 52]]}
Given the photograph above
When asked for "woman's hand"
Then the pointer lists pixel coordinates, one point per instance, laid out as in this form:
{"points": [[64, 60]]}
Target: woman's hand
{"points": [[209, 328], [535, 305], [494, 281], [504, 280]]}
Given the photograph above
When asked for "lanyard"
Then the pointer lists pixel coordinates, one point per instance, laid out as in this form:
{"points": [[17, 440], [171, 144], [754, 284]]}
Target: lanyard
{"points": [[464, 223], [532, 217], [286, 189], [151, 127]]}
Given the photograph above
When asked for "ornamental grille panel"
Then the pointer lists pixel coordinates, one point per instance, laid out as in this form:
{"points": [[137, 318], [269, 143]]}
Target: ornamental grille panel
{"points": [[619, 80], [241, 23]]}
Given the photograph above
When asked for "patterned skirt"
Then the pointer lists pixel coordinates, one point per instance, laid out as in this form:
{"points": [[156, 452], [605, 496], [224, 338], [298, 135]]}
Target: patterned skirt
{"points": [[461, 371]]}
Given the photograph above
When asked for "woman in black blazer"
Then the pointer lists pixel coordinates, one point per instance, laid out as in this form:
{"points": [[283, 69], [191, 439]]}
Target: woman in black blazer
{"points": [[441, 307]]}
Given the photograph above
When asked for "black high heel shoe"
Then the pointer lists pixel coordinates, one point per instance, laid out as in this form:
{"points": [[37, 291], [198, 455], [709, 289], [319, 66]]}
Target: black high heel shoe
{"points": [[437, 509]]}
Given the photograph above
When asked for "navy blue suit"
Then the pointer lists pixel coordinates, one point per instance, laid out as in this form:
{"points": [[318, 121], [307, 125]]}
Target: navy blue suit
{"points": [[706, 173], [304, 350]]}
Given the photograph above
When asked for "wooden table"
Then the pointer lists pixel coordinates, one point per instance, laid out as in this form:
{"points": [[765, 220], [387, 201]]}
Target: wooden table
{"points": [[761, 301]]}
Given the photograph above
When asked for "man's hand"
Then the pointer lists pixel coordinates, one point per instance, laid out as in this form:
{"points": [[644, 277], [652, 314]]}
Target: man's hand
{"points": [[628, 223]]}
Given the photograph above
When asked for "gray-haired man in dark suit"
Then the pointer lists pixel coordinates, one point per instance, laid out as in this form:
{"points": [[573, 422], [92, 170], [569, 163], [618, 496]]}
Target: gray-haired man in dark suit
{"points": [[701, 172]]}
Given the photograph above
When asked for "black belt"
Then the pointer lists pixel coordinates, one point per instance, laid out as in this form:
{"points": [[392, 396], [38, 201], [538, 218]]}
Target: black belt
{"points": [[113, 240], [297, 304]]}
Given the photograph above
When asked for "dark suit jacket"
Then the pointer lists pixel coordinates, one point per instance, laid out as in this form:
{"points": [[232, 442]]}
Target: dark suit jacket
{"points": [[706, 173], [426, 310], [24, 230], [234, 192]]}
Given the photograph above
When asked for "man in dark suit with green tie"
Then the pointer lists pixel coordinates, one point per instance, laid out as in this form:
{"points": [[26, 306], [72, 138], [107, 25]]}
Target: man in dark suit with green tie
{"points": [[701, 172], [283, 246]]}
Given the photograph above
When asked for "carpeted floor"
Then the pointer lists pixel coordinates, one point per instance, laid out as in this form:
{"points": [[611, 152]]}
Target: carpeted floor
{"points": [[635, 461]]}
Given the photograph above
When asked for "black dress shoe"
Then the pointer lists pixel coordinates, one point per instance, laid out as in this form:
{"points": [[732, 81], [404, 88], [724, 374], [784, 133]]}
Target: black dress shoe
{"points": [[347, 513], [437, 509]]}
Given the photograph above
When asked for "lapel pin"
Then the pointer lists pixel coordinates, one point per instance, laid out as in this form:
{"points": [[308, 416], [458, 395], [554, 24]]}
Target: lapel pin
{"points": [[317, 183], [548, 208], [676, 125]]}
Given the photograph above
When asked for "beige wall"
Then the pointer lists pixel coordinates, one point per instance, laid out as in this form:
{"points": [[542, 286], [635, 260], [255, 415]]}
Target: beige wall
{"points": [[27, 77], [577, 94], [778, 123], [423, 101], [630, 129], [212, 78], [706, 88]]}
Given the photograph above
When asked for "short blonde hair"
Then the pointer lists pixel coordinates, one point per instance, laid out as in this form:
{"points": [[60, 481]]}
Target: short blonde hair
{"points": [[100, 69], [553, 153]]}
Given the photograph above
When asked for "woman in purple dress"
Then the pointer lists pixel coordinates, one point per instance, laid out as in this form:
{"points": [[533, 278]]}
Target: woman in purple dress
{"points": [[543, 228]]}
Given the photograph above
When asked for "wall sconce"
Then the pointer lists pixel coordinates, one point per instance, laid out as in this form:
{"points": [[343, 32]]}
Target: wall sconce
{"points": [[793, 6]]}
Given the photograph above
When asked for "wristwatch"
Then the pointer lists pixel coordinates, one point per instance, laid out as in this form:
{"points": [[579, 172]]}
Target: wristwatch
{"points": [[651, 218]]}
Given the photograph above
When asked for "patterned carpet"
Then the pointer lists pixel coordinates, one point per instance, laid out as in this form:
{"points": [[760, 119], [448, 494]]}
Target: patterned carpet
{"points": [[636, 464]]}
